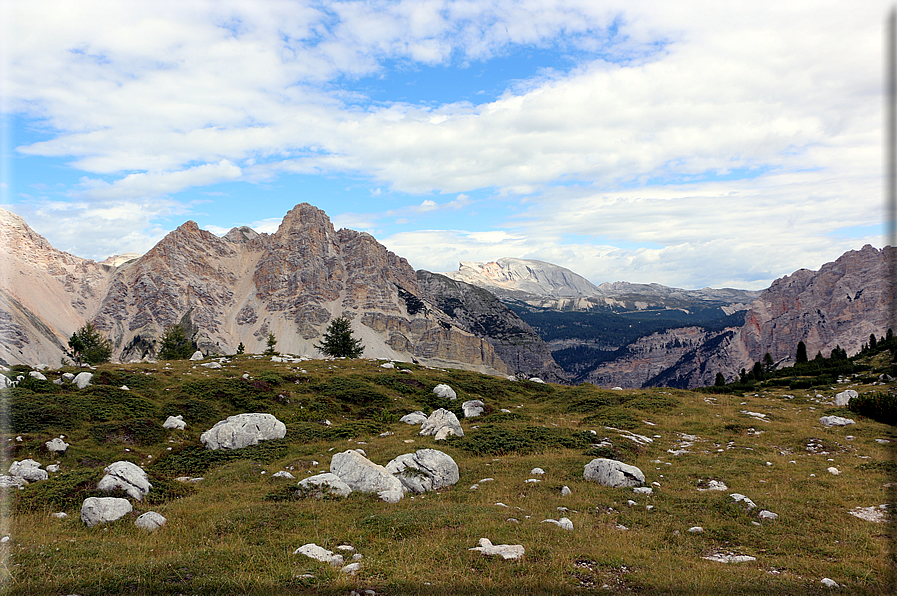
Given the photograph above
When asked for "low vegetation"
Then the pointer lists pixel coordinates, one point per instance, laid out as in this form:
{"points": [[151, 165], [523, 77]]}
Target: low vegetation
{"points": [[235, 530]]}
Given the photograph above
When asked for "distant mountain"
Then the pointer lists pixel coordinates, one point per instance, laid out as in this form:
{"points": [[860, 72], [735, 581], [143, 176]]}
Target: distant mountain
{"points": [[545, 285], [238, 289]]}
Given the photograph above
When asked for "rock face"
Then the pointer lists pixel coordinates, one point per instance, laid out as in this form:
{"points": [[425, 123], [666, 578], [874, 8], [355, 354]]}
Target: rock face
{"points": [[103, 510], [128, 477], [227, 291], [610, 472], [243, 430], [479, 312], [424, 470]]}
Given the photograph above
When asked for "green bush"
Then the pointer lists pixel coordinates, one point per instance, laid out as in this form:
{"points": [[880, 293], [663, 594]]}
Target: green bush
{"points": [[32, 412], [65, 490], [196, 459], [137, 431], [881, 407], [495, 440], [352, 390]]}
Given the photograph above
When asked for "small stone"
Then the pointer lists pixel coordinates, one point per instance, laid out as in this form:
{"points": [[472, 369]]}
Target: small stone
{"points": [[537, 472], [150, 521], [59, 515], [351, 568], [566, 491], [829, 583], [506, 551], [56, 446], [764, 514], [696, 530]]}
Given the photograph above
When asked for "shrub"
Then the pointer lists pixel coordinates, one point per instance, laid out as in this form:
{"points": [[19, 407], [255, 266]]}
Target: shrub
{"points": [[495, 440], [196, 459], [89, 345], [881, 407], [353, 390], [65, 490], [138, 431], [175, 344]]}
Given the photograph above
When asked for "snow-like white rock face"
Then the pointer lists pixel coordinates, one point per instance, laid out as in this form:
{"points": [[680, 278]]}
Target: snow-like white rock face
{"points": [[525, 275]]}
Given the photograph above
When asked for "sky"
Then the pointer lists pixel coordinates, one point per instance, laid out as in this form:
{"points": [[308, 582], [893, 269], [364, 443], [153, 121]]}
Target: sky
{"points": [[690, 143]]}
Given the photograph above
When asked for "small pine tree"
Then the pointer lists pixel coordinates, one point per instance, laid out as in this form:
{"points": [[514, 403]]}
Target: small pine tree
{"points": [[175, 344], [872, 341], [337, 341], [241, 348], [801, 357], [89, 345], [757, 371], [720, 380], [768, 364], [272, 341]]}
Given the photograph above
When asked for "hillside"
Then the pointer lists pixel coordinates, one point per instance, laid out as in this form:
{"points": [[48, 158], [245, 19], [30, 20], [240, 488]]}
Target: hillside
{"points": [[233, 526]]}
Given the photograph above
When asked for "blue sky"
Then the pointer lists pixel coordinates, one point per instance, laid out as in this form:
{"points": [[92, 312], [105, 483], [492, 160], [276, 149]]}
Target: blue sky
{"points": [[693, 145]]}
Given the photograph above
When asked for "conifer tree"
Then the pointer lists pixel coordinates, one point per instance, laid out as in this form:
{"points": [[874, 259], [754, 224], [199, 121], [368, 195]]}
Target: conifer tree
{"points": [[337, 341], [801, 357], [175, 344], [89, 345]]}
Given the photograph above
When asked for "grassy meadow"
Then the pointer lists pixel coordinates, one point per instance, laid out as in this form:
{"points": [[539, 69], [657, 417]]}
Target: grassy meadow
{"points": [[234, 531]]}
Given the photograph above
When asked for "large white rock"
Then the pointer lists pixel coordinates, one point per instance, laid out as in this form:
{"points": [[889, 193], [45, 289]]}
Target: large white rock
{"points": [[845, 396], [150, 521], [127, 476], [563, 523], [473, 408], [441, 423], [424, 470], [57, 445], [28, 469], [82, 379], [416, 417], [6, 382], [835, 421], [610, 472], [443, 390], [175, 422], [243, 430], [506, 551], [324, 484], [36, 375], [362, 474], [102, 510], [197, 355], [319, 553]]}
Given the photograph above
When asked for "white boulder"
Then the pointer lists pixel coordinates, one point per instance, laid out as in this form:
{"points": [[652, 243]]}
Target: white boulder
{"points": [[150, 521], [610, 472], [443, 390], [36, 375], [103, 510], [57, 445], [416, 417], [740, 498], [11, 481], [768, 515], [387, 365], [424, 470], [319, 553], [362, 474], [283, 474], [441, 423], [197, 355], [473, 408], [835, 421], [127, 476], [82, 379], [843, 398], [323, 484], [6, 382], [211, 365], [175, 422], [563, 523], [243, 430], [505, 551], [28, 470]]}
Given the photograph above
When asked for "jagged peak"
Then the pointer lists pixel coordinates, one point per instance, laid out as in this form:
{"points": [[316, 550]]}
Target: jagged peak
{"points": [[241, 235]]}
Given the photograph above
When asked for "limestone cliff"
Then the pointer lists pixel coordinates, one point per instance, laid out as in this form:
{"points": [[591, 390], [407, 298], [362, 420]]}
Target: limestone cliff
{"points": [[479, 312], [226, 291]]}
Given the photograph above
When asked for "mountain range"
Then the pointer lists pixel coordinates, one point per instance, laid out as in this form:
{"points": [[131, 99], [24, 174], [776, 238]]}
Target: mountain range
{"points": [[511, 316]]}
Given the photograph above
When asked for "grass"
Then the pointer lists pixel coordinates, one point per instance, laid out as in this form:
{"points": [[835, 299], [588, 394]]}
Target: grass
{"points": [[235, 531]]}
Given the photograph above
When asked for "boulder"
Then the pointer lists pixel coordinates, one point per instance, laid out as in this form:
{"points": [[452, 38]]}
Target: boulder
{"points": [[362, 474], [197, 355], [506, 551], [441, 424], [28, 470], [175, 422], [416, 417], [150, 521], [746, 502], [11, 481], [283, 474], [82, 379], [323, 484], [68, 376], [211, 365], [103, 510], [36, 375], [319, 553], [844, 397], [424, 470], [443, 390], [610, 472], [127, 476], [563, 523], [57, 445], [473, 408], [835, 421], [243, 430]]}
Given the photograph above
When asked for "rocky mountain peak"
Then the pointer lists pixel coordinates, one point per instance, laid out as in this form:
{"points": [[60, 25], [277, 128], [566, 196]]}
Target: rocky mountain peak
{"points": [[241, 235]]}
